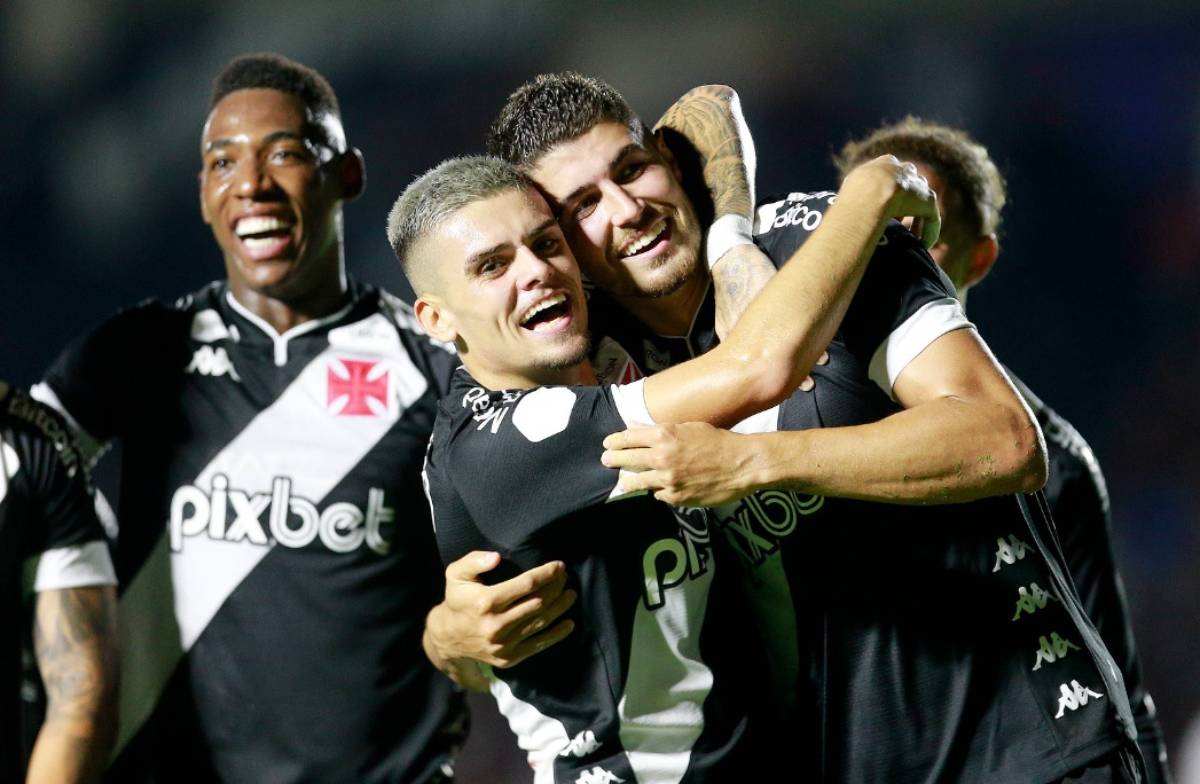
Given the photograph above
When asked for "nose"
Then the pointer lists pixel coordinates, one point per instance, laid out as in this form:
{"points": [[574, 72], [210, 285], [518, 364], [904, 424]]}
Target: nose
{"points": [[532, 270], [251, 177], [623, 208]]}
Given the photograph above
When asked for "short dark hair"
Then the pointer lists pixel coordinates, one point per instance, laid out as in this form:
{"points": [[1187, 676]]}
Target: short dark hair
{"points": [[435, 196], [554, 108], [270, 71], [978, 188]]}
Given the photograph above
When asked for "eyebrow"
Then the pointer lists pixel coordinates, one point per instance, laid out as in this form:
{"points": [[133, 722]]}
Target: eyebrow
{"points": [[476, 258], [621, 153], [218, 144]]}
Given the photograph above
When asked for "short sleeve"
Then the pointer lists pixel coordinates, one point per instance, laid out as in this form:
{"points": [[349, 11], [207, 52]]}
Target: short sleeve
{"points": [[543, 444]]}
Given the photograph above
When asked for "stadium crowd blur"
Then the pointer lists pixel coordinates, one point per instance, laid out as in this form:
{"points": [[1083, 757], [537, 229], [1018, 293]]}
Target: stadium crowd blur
{"points": [[1093, 117]]}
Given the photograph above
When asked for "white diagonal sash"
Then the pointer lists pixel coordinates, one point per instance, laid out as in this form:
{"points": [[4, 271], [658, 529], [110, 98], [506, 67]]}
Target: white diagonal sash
{"points": [[176, 594]]}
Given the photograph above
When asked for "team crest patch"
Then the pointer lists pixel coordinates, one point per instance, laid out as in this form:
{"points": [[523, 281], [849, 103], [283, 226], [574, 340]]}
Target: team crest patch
{"points": [[356, 387]]}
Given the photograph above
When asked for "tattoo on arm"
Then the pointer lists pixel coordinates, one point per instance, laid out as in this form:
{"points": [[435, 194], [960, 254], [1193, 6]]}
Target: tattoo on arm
{"points": [[710, 118], [74, 641]]}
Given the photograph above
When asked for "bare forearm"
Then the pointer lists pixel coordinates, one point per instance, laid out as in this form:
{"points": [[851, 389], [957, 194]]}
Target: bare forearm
{"points": [[945, 451], [74, 639], [709, 118]]}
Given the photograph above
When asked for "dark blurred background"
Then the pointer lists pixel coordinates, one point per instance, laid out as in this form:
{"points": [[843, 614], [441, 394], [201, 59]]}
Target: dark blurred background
{"points": [[1092, 111]]}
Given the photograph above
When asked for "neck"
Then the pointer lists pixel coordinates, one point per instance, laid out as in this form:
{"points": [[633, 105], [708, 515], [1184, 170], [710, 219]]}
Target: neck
{"points": [[576, 375], [673, 314], [284, 312]]}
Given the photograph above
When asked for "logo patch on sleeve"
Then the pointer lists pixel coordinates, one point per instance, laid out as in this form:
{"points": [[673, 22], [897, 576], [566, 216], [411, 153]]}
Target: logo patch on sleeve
{"points": [[544, 412]]}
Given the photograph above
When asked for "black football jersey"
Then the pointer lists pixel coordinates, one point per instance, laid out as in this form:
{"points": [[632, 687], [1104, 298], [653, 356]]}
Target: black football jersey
{"points": [[632, 694], [1078, 499], [933, 641], [48, 529], [275, 553]]}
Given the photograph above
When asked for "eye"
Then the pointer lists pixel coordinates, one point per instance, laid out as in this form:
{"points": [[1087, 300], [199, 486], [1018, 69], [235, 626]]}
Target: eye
{"points": [[288, 155], [631, 170], [220, 164], [489, 267], [546, 245], [585, 206]]}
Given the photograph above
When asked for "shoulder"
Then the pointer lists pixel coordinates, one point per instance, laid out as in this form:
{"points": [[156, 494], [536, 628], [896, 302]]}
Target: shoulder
{"points": [[782, 222], [35, 427]]}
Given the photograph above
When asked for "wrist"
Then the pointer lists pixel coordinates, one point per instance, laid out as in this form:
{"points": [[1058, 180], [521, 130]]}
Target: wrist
{"points": [[726, 233]]}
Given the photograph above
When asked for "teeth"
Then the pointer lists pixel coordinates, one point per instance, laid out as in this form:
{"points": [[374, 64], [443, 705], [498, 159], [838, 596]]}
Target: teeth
{"points": [[549, 302], [257, 224], [259, 243], [645, 240]]}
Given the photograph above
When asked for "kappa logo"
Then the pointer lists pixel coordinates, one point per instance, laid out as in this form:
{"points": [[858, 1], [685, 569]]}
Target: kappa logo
{"points": [[1073, 697], [1009, 552], [581, 745], [292, 521], [209, 361], [1052, 649], [357, 388], [598, 775], [1030, 600]]}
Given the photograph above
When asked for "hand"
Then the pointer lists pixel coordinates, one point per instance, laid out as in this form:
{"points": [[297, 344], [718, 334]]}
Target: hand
{"points": [[910, 194], [500, 624], [808, 384], [692, 464]]}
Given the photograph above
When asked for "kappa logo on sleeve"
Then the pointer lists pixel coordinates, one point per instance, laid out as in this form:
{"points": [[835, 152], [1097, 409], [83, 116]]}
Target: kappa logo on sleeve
{"points": [[356, 387], [214, 362]]}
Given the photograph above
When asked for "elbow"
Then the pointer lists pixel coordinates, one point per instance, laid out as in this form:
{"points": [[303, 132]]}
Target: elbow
{"points": [[1034, 464], [1026, 457]]}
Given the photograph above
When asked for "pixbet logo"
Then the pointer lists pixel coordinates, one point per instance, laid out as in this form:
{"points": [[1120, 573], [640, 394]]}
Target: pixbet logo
{"points": [[357, 388], [668, 562], [232, 515]]}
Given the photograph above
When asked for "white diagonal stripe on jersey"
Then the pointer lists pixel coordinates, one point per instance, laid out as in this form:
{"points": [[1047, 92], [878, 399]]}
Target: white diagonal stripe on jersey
{"points": [[662, 707], [308, 445], [541, 737]]}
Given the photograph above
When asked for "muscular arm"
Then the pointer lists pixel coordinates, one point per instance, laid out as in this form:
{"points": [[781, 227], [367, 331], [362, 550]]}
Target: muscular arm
{"points": [[709, 119], [964, 435], [75, 644], [793, 319]]}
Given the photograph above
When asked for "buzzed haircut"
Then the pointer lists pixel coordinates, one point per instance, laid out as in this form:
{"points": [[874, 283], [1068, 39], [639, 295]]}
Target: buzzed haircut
{"points": [[977, 189], [435, 196], [554, 108]]}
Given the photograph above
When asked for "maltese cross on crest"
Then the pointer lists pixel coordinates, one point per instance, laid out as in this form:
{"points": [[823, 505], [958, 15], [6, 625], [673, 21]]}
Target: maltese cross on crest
{"points": [[357, 388]]}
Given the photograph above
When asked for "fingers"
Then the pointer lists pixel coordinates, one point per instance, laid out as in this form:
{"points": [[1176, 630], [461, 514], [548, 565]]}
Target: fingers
{"points": [[642, 481], [528, 621], [540, 642], [629, 458], [549, 577], [470, 566], [632, 438]]}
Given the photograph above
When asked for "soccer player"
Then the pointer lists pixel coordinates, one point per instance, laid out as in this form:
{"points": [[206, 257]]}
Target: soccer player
{"points": [[634, 693], [926, 417], [972, 196], [275, 550], [46, 514]]}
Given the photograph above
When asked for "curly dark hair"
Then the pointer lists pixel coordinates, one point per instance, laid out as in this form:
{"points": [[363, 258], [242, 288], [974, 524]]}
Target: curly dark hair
{"points": [[977, 191]]}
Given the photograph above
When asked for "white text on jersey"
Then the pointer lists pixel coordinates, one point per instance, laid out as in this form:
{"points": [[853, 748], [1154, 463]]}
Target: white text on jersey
{"points": [[292, 521]]}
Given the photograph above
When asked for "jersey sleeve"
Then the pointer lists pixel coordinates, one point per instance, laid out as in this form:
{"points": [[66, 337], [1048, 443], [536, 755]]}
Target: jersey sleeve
{"points": [[903, 303], [104, 379], [62, 530], [522, 465]]}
